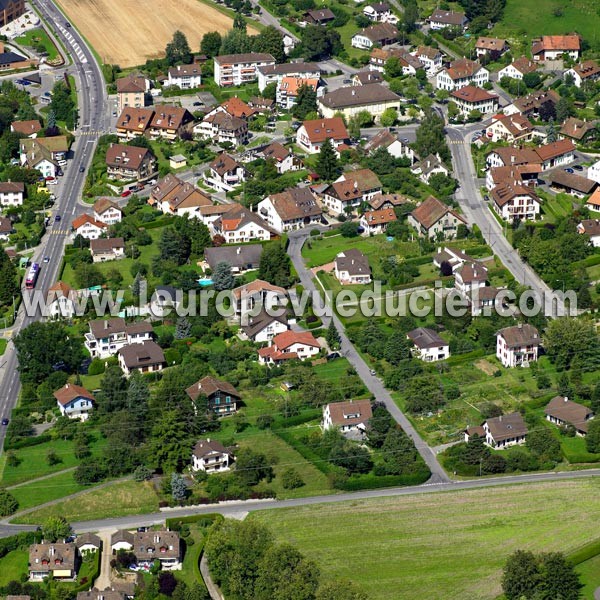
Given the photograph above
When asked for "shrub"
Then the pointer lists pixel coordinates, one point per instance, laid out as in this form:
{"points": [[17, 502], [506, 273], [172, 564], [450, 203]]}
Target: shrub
{"points": [[96, 367], [264, 421], [8, 503], [291, 479]]}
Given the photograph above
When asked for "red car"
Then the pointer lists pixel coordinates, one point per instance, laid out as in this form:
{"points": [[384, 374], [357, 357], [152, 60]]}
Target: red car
{"points": [[126, 193]]}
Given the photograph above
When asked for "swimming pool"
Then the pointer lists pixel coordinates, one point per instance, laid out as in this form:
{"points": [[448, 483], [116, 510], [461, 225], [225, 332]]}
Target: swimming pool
{"points": [[205, 282]]}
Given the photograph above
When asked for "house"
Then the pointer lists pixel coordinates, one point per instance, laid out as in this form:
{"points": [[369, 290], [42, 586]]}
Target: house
{"points": [[177, 161], [107, 211], [221, 397], [394, 146], [350, 190], [381, 34], [44, 154], [61, 560], [493, 48], [107, 336], [28, 129], [289, 345], [312, 134], [591, 228], [133, 122], [379, 56], [383, 201], [505, 431], [240, 226], [509, 128], [553, 47], [583, 72], [275, 73], [133, 91], [221, 128], [107, 594], [376, 221], [571, 183], [130, 162], [164, 301], [455, 258], [526, 174], [61, 301], [460, 73], [431, 59], [263, 327], [162, 545], [174, 197], [239, 258], [261, 105], [74, 401], [517, 346], [11, 10], [6, 228], [556, 154], [321, 16], [294, 208], [105, 249], [429, 346], [289, 87], [88, 542], [472, 98], [410, 64], [284, 159], [121, 540], [238, 69], [351, 267], [380, 12], [514, 201], [145, 357], [509, 156], [225, 173], [210, 456], [440, 19], [483, 300], [518, 68], [374, 98], [430, 165], [170, 122], [579, 130], [350, 416], [469, 277], [185, 77], [433, 219], [88, 227], [236, 108], [564, 412], [255, 295], [534, 104], [10, 60], [209, 214], [12, 193]]}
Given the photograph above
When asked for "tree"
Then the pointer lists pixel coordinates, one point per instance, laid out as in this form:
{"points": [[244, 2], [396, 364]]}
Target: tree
{"points": [[333, 337], [520, 576], [275, 265], [222, 277], [397, 348], [551, 133], [558, 578], [349, 229], [306, 102], [170, 444], [136, 286], [393, 67], [563, 110], [340, 590], [166, 583], [410, 16], [178, 50], [55, 528], [113, 386], [592, 439], [8, 503], [252, 467], [63, 104], [88, 472], [236, 41], [211, 43], [291, 479], [430, 137], [319, 42], [239, 22], [270, 41], [569, 339], [179, 488], [388, 117], [173, 246], [532, 80], [9, 285], [270, 91], [328, 166], [183, 328]]}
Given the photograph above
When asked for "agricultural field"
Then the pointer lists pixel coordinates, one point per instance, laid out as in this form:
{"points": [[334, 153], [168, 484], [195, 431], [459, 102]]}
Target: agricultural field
{"points": [[457, 541], [126, 34]]}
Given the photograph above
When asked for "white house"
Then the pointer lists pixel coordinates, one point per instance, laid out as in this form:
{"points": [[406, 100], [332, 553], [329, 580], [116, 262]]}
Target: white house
{"points": [[351, 416], [513, 200], [350, 190], [518, 68], [291, 209], [107, 211], [431, 59], [61, 301], [185, 77], [289, 88], [469, 277], [429, 346], [433, 219], [553, 47], [505, 431], [471, 97], [312, 134], [380, 12], [145, 357], [88, 227], [105, 249], [460, 73], [221, 127], [284, 159], [210, 456], [289, 345], [388, 140], [440, 19], [240, 226], [351, 267], [590, 228], [509, 128], [583, 72], [381, 34], [238, 69], [564, 412], [257, 293], [225, 173], [430, 165], [107, 336], [11, 193], [275, 73], [263, 327], [74, 401], [376, 221], [517, 346]]}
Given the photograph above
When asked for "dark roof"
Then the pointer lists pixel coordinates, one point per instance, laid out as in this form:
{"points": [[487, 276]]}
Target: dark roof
{"points": [[70, 392], [447, 16], [57, 556], [260, 321], [353, 261], [507, 426], [248, 57], [520, 335], [358, 96], [379, 32], [241, 257], [423, 337], [150, 545], [6, 58], [130, 157], [88, 538], [353, 412], [368, 77], [121, 536], [210, 385], [208, 447], [95, 594], [295, 203], [140, 355], [573, 181], [106, 244], [429, 212], [320, 14], [289, 68], [560, 407]]}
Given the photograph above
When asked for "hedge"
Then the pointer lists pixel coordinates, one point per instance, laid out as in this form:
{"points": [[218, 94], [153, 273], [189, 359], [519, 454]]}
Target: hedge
{"points": [[585, 552], [303, 417], [160, 222], [589, 261], [14, 542], [27, 442], [175, 523], [94, 574], [308, 453], [370, 481]]}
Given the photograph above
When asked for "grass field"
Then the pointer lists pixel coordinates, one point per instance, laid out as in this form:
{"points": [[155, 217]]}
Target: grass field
{"points": [[35, 37], [13, 565], [589, 572], [3, 344], [127, 33], [39, 492], [453, 544]]}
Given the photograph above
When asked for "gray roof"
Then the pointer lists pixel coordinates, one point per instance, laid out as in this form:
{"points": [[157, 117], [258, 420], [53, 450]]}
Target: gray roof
{"points": [[240, 257], [121, 536], [87, 539], [353, 261], [289, 68], [422, 337], [507, 426], [259, 322], [141, 355], [358, 96], [520, 335], [6, 58]]}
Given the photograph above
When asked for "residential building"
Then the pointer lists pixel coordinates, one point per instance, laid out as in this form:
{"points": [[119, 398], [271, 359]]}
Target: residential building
{"points": [[164, 301], [319, 16], [564, 412], [170, 122], [534, 104], [440, 19], [388, 140], [579, 130], [107, 336], [6, 228], [185, 77], [312, 134], [526, 174], [291, 209], [28, 129], [107, 211], [556, 154], [262, 105], [11, 10], [571, 183], [374, 98], [376, 221], [162, 545], [61, 560], [146, 357], [44, 154], [10, 60], [221, 127], [105, 249], [553, 47], [493, 48], [514, 201], [518, 68], [238, 69], [134, 121], [460, 73], [239, 258], [429, 346], [381, 34], [61, 301], [121, 540], [593, 202], [107, 594], [289, 345], [284, 159], [430, 165], [431, 59], [591, 228], [210, 456], [130, 163], [225, 173], [455, 258], [275, 73], [593, 171], [509, 156], [236, 108], [350, 190], [88, 542], [517, 346], [379, 56], [263, 327], [350, 416], [351, 267], [221, 397], [380, 12], [583, 72], [471, 98], [469, 277], [383, 201], [289, 87], [483, 300], [509, 128], [133, 91], [252, 297], [240, 226], [505, 431], [12, 193], [173, 196], [88, 227], [74, 401], [209, 214], [433, 219]]}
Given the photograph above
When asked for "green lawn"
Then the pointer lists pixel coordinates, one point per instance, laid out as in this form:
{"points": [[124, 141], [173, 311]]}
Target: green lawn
{"points": [[3, 344], [189, 570], [575, 450], [333, 371], [589, 572], [118, 500], [35, 37], [46, 490], [13, 565], [454, 543]]}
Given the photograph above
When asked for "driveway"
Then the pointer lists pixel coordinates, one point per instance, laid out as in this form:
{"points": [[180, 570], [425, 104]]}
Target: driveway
{"points": [[104, 578]]}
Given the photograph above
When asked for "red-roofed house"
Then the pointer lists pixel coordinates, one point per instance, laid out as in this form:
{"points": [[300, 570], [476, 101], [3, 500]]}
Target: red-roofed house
{"points": [[288, 88], [471, 98], [376, 221], [553, 47], [434, 219], [225, 173], [512, 200], [350, 190], [74, 401], [289, 345], [61, 301], [348, 416], [509, 128], [88, 227], [312, 134]]}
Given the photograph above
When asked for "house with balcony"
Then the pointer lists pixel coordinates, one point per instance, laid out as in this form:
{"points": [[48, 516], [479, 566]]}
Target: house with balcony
{"points": [[517, 346], [221, 128], [350, 190], [107, 336], [351, 267], [514, 201], [211, 456], [428, 345], [238, 69], [289, 88], [59, 560], [510, 128], [185, 77], [74, 401], [173, 196], [88, 227], [240, 226], [134, 122], [469, 277], [460, 73], [170, 122], [289, 345], [275, 73], [144, 357], [130, 163], [221, 397], [263, 327], [225, 173], [433, 219], [312, 134], [162, 545], [472, 98], [376, 221], [133, 90], [107, 211], [291, 209], [431, 58]]}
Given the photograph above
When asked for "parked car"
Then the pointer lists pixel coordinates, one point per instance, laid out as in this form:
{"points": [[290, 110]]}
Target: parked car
{"points": [[67, 24], [197, 103], [373, 372], [578, 168], [126, 194], [333, 356], [569, 170], [5, 421]]}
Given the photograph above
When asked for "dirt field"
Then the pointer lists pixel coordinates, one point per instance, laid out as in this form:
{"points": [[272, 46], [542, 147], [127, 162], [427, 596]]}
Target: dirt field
{"points": [[128, 32]]}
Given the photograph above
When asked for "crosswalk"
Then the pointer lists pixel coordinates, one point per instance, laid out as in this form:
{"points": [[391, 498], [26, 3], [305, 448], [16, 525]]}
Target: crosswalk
{"points": [[76, 47], [457, 142], [60, 231], [93, 133]]}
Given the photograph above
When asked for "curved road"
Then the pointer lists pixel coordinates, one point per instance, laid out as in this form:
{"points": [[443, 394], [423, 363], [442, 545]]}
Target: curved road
{"points": [[93, 118]]}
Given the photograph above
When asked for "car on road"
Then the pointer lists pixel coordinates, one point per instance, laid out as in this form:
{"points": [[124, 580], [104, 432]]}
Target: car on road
{"points": [[81, 168], [405, 140], [373, 372], [126, 194], [115, 113], [46, 259], [578, 167], [67, 24], [347, 81], [56, 218], [486, 198], [569, 170], [47, 94], [5, 421]]}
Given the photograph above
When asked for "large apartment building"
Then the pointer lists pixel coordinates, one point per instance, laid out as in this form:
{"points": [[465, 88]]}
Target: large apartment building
{"points": [[237, 69]]}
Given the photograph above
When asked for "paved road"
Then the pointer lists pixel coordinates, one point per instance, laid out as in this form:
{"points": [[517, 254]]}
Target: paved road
{"points": [[372, 382], [92, 118]]}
